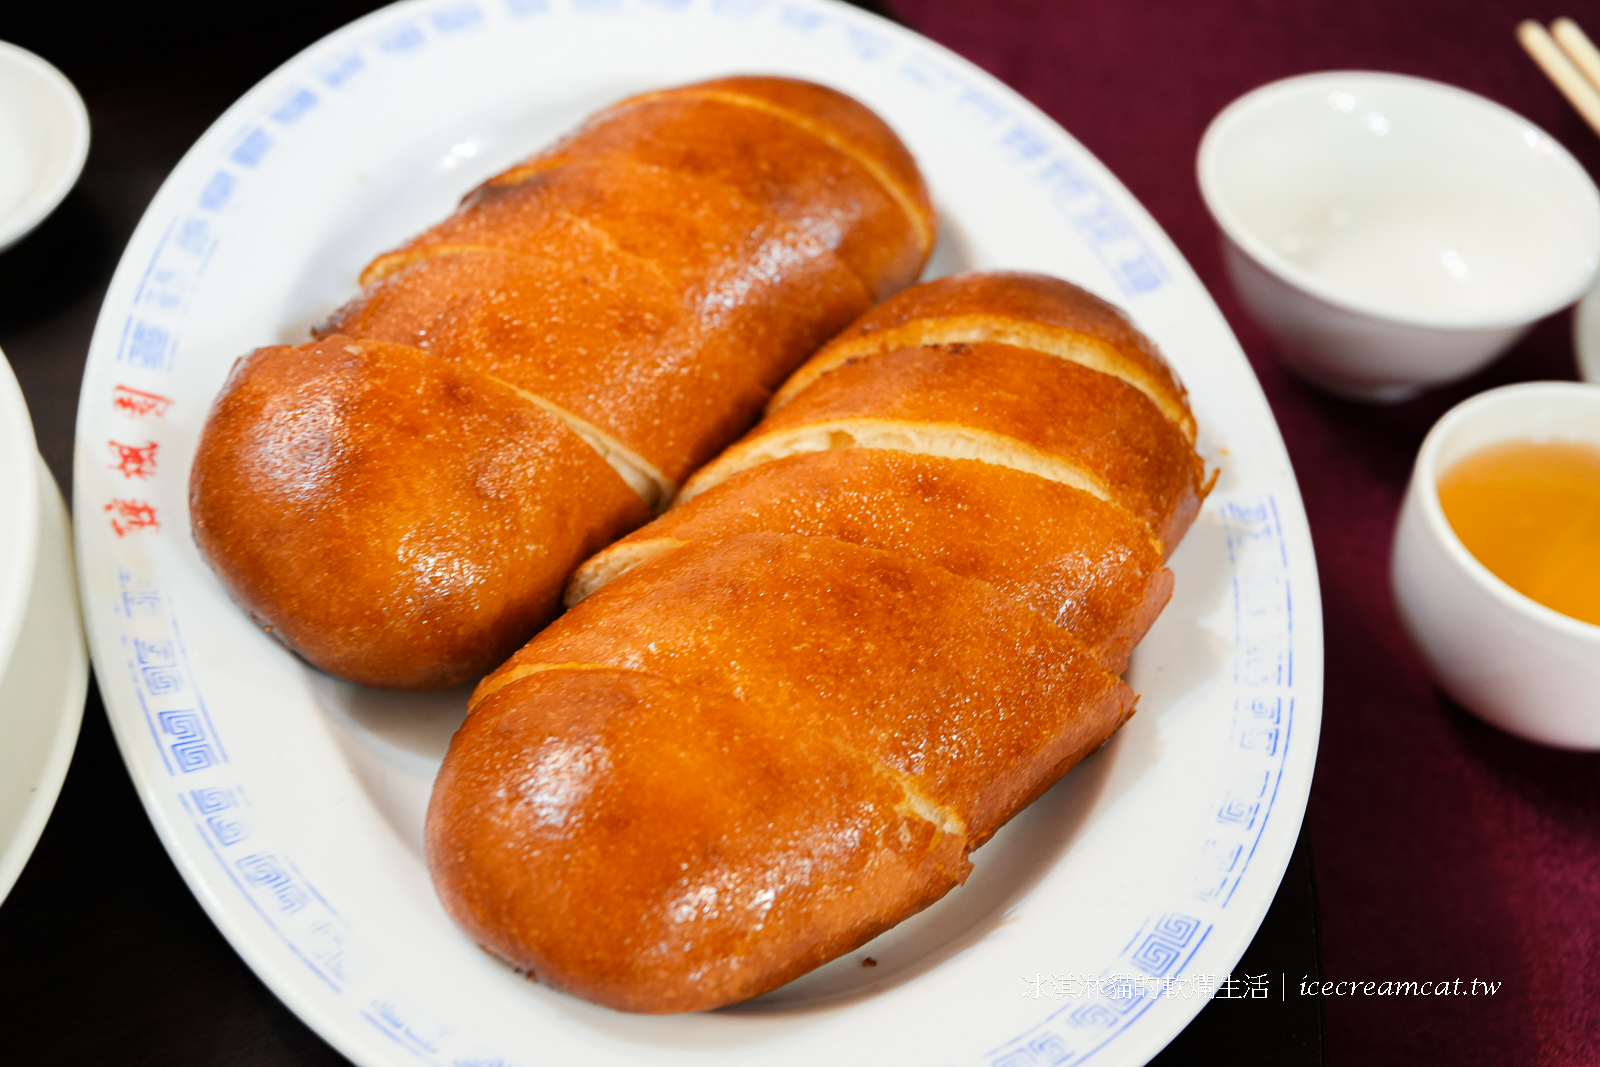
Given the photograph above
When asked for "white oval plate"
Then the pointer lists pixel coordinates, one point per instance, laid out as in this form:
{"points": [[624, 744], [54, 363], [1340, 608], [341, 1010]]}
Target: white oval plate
{"points": [[42, 690], [293, 803], [44, 140]]}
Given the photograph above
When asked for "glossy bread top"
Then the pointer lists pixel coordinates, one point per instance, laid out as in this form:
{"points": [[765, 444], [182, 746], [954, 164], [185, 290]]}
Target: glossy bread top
{"points": [[1081, 562], [643, 285], [474, 488]]}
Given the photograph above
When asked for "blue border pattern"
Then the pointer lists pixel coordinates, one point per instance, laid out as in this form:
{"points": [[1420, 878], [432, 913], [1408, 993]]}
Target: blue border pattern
{"points": [[192, 752], [1262, 609], [264, 875], [1072, 192]]}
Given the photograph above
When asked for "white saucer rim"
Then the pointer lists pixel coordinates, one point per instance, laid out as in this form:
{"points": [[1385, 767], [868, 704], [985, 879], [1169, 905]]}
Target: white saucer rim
{"points": [[1586, 336], [18, 563], [71, 668], [38, 208]]}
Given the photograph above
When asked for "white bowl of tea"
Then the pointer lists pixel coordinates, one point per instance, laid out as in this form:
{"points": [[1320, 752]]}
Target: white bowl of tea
{"points": [[1496, 565]]}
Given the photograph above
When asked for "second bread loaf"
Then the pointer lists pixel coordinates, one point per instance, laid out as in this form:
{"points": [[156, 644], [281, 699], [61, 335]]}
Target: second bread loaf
{"points": [[779, 718]]}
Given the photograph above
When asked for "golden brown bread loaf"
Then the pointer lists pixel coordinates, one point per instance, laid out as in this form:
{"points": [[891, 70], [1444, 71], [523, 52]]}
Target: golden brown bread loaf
{"points": [[338, 432], [1031, 311], [779, 717], [924, 373], [1084, 564], [633, 294], [716, 873]]}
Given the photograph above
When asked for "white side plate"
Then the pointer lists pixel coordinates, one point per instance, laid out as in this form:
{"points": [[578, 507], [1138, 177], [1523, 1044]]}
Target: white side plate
{"points": [[293, 803], [44, 140], [1586, 336], [42, 690], [19, 491]]}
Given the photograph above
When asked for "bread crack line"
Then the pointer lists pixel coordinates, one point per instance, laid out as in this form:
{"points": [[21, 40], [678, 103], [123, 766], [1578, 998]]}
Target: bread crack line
{"points": [[500, 679], [1068, 345], [653, 487], [919, 805], [947, 440], [642, 476], [392, 263], [822, 132], [915, 803]]}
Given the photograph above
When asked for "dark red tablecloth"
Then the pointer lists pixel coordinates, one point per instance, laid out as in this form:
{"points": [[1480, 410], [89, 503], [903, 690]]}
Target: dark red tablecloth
{"points": [[1443, 848]]}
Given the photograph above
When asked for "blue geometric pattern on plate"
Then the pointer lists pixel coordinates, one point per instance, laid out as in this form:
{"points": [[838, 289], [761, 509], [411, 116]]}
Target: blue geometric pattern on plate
{"points": [[150, 350]]}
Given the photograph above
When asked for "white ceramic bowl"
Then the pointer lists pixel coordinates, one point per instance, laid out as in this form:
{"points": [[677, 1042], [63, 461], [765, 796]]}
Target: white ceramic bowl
{"points": [[1525, 668], [44, 139], [1393, 233], [1586, 336]]}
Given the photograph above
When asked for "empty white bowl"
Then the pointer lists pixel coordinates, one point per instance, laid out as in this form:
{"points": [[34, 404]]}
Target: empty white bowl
{"points": [[1586, 337], [1526, 668], [44, 140], [1393, 233]]}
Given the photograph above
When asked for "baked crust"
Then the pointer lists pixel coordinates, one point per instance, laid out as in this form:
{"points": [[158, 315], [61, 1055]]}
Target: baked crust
{"points": [[1007, 405], [901, 689], [654, 868], [640, 289], [766, 138], [475, 489], [1084, 564], [925, 567], [1009, 307]]}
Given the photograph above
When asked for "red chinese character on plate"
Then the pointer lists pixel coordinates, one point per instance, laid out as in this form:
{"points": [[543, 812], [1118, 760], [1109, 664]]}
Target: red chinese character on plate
{"points": [[138, 403], [132, 515], [134, 461]]}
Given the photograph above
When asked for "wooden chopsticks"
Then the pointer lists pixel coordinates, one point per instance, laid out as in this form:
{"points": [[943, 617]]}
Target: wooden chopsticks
{"points": [[1569, 59]]}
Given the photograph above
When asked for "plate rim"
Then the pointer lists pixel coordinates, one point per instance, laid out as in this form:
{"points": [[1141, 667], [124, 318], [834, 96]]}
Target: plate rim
{"points": [[200, 883]]}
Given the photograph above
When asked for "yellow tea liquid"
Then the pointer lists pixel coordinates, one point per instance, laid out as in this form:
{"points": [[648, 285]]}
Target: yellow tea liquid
{"points": [[1530, 512]]}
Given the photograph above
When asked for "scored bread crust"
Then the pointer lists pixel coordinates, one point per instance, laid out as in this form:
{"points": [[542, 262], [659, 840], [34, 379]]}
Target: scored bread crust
{"points": [[1033, 311], [1008, 405], [865, 196], [319, 429], [662, 308], [967, 690], [699, 872], [643, 285], [680, 870], [922, 571], [1084, 564]]}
